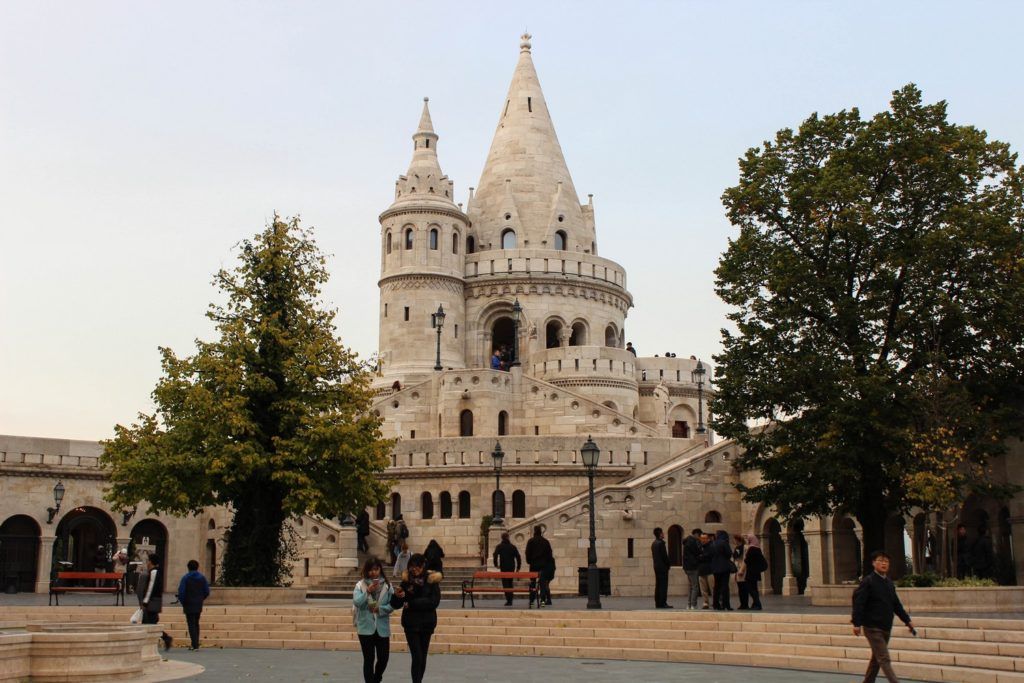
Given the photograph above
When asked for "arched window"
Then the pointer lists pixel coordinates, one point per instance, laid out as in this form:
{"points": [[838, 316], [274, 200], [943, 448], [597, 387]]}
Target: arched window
{"points": [[611, 338], [433, 239], [396, 505], [446, 505], [518, 504], [713, 517], [680, 430], [508, 239], [408, 238], [502, 423], [498, 502], [579, 334], [470, 245], [382, 510], [675, 545], [426, 505], [389, 242], [560, 240], [455, 243], [464, 505], [552, 334], [466, 423]]}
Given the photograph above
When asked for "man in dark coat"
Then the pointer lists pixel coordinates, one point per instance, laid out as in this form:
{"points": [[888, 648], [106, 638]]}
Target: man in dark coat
{"points": [[507, 559], [659, 553], [721, 567], [691, 565], [874, 604], [363, 531], [193, 589], [541, 559]]}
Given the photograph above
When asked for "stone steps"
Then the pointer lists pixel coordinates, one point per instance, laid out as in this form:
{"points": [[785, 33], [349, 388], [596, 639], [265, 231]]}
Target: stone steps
{"points": [[948, 649]]}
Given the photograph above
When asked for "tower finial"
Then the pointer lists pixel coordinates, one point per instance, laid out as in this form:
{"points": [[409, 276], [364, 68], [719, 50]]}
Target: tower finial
{"points": [[524, 42]]}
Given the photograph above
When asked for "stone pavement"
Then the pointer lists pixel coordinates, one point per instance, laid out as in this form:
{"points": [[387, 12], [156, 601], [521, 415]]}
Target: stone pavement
{"points": [[300, 666]]}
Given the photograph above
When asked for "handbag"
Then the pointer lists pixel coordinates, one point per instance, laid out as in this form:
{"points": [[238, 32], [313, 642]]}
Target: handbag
{"points": [[136, 617]]}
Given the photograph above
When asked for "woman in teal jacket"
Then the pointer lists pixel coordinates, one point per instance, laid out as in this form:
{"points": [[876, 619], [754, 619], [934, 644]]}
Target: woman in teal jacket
{"points": [[371, 601]]}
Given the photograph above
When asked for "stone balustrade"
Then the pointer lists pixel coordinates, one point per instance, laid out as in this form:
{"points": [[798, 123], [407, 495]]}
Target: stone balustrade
{"points": [[575, 362], [539, 262]]}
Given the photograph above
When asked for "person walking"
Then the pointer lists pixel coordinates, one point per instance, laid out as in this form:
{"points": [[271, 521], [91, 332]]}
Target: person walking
{"points": [[754, 563], [659, 554], [541, 559], [401, 534], [691, 565], [434, 556], [507, 559], [704, 569], [371, 600], [402, 562], [363, 531], [418, 596], [722, 567], [874, 604], [739, 549], [150, 591], [193, 589]]}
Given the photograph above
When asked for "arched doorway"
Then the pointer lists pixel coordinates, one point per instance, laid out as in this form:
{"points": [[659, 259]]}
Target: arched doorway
{"points": [[675, 545], [396, 505], [553, 334], [611, 337], [211, 561], [19, 554], [148, 536], [466, 423], [776, 554], [801, 556], [503, 334], [579, 334], [85, 541]]}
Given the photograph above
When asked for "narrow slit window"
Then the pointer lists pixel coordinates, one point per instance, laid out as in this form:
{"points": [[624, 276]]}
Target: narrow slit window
{"points": [[529, 104], [507, 102], [407, 314], [428, 142]]}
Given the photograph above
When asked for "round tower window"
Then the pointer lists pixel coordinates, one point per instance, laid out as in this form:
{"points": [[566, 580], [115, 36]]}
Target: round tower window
{"points": [[508, 216]]}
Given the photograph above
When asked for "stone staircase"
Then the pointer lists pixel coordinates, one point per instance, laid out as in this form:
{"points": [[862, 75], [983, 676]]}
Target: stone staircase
{"points": [[962, 650], [340, 585]]}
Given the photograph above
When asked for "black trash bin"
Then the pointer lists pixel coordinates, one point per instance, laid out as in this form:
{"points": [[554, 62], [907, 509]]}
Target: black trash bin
{"points": [[605, 584]]}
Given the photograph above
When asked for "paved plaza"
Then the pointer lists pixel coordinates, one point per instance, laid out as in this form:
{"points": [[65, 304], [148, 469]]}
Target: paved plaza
{"points": [[299, 666]]}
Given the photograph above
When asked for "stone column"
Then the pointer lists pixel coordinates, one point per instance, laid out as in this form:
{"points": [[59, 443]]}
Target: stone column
{"points": [[45, 563], [789, 582], [816, 570], [563, 337], [348, 548]]}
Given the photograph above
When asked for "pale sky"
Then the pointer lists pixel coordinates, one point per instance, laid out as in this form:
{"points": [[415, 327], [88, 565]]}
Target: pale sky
{"points": [[140, 141]]}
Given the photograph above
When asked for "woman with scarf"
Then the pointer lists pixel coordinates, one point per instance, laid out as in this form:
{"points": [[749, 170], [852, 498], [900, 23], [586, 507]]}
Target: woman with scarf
{"points": [[372, 602], [754, 563], [418, 596]]}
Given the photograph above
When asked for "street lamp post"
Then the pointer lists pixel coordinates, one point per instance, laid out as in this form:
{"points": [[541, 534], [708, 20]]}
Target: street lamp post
{"points": [[497, 457], [697, 375], [439, 323], [591, 456], [517, 311]]}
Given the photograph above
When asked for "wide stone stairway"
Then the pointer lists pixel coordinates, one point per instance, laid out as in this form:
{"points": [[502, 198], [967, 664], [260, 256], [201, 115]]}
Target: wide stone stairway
{"points": [[965, 650]]}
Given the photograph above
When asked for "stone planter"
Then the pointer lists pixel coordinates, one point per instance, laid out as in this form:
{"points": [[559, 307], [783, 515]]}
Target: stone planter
{"points": [[961, 599], [87, 652], [220, 595]]}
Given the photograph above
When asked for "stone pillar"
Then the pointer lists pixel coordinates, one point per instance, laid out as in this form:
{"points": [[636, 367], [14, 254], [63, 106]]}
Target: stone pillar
{"points": [[45, 563], [789, 582], [816, 570], [563, 337], [348, 548]]}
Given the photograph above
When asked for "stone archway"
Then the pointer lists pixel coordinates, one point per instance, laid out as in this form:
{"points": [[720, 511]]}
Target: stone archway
{"points": [[846, 550], [19, 554], [772, 534], [503, 334], [148, 537], [675, 545], [86, 540]]}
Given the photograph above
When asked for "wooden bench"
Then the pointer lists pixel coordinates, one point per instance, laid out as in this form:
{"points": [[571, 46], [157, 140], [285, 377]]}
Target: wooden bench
{"points": [[470, 588], [56, 588]]}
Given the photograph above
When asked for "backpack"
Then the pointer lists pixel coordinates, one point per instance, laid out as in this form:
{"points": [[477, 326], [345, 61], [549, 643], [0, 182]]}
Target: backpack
{"points": [[403, 530]]}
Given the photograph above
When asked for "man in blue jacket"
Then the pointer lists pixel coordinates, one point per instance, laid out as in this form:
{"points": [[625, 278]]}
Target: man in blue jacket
{"points": [[193, 589], [874, 604]]}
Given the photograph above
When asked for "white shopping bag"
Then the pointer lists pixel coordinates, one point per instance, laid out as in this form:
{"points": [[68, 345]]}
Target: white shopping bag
{"points": [[137, 616]]}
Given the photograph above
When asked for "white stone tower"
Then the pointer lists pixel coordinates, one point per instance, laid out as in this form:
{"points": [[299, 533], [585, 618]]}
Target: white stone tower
{"points": [[423, 236]]}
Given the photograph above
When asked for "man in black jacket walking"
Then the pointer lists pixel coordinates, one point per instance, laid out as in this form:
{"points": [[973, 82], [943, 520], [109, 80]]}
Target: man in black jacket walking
{"points": [[874, 604], [661, 564], [507, 559], [691, 565]]}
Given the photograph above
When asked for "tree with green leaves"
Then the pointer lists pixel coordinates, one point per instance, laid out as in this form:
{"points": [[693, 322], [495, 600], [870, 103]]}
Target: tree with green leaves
{"points": [[273, 419], [877, 286]]}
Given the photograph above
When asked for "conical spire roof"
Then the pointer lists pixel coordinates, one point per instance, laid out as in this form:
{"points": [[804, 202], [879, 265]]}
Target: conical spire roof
{"points": [[525, 166], [424, 181]]}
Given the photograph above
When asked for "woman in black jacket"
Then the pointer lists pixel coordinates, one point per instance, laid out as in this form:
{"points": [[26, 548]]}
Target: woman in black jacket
{"points": [[434, 555], [754, 563], [418, 596]]}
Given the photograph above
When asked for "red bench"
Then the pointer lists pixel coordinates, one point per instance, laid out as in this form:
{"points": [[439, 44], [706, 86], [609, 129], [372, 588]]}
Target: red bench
{"points": [[470, 588], [56, 588]]}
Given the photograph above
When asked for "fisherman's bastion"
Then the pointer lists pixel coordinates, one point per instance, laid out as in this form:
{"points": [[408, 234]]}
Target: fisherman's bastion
{"points": [[516, 269]]}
